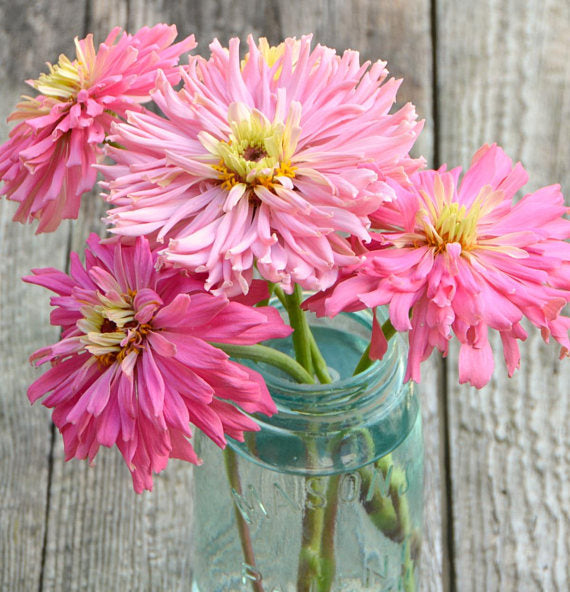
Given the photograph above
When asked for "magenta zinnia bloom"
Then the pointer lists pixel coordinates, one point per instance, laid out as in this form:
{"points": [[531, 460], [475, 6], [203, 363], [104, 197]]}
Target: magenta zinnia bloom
{"points": [[269, 161], [46, 165], [134, 365], [463, 258]]}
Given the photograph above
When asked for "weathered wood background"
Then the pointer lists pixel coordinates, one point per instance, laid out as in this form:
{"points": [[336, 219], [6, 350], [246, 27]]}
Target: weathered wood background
{"points": [[498, 483]]}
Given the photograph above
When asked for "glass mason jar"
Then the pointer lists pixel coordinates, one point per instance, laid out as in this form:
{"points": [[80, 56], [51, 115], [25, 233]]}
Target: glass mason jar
{"points": [[327, 496]]}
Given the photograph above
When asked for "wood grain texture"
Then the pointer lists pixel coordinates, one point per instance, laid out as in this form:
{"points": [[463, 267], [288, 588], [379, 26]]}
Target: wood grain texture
{"points": [[25, 433], [434, 565], [503, 76]]}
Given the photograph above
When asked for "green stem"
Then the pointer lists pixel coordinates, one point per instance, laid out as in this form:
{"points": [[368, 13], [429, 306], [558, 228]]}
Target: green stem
{"points": [[319, 362], [327, 538], [389, 511], [301, 331], [243, 530], [316, 562], [365, 361], [278, 291], [310, 571], [262, 353]]}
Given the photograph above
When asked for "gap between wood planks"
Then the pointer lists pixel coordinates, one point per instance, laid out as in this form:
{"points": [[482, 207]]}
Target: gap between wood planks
{"points": [[447, 531]]}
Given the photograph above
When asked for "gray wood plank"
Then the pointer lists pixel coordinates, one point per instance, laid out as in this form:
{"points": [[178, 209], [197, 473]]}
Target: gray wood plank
{"points": [[503, 76], [25, 433], [28, 33]]}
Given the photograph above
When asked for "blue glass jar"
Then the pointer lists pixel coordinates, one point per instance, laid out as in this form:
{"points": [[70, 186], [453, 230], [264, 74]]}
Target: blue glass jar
{"points": [[327, 496]]}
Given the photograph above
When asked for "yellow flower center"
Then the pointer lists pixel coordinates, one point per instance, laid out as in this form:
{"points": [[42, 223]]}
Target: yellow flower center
{"points": [[445, 221], [110, 330], [62, 82], [258, 151], [272, 53], [67, 78], [454, 225]]}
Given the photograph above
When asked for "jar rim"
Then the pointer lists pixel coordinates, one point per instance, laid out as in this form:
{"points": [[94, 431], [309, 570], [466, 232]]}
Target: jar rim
{"points": [[382, 380], [336, 422]]}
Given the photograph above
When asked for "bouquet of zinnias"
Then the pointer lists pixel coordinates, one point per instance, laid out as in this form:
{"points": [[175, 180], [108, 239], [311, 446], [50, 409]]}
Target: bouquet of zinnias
{"points": [[269, 174]]}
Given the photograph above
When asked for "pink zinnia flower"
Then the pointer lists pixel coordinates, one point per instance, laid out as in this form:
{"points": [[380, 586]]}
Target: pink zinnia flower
{"points": [[463, 258], [134, 365], [46, 165], [268, 162]]}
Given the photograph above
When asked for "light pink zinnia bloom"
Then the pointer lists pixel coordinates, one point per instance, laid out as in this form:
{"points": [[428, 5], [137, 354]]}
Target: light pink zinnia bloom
{"points": [[46, 165], [464, 258], [267, 162], [134, 365]]}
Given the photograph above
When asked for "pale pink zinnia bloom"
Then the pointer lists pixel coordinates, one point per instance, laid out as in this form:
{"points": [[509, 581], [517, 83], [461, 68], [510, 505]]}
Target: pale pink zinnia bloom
{"points": [[46, 165], [134, 366], [463, 258], [267, 162]]}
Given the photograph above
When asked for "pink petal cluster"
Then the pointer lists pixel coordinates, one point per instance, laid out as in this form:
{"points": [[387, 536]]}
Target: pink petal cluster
{"points": [[134, 366], [47, 163], [460, 258], [266, 162]]}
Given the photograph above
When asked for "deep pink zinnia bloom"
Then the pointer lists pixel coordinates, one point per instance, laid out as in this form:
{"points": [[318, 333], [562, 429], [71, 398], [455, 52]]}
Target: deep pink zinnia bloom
{"points": [[46, 165], [269, 161], [463, 258], [134, 365]]}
